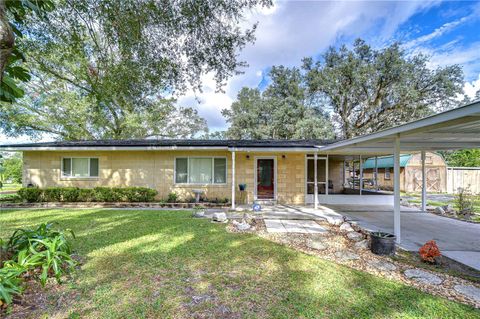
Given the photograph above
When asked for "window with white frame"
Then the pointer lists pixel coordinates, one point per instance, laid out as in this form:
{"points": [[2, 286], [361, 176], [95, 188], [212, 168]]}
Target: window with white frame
{"points": [[80, 167], [201, 170], [387, 173]]}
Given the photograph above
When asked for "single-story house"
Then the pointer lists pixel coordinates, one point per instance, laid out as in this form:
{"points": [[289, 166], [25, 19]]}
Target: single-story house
{"points": [[279, 171], [380, 173]]}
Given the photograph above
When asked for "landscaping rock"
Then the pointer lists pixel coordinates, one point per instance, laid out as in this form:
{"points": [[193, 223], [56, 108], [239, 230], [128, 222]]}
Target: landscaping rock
{"points": [[199, 214], [334, 220], [382, 265], [469, 291], [242, 225], [423, 276], [439, 210], [219, 217], [355, 236], [362, 244], [448, 209], [404, 202], [317, 244], [346, 227], [346, 255]]}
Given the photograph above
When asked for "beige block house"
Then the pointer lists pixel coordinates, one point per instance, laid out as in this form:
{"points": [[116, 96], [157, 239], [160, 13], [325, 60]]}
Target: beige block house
{"points": [[272, 170]]}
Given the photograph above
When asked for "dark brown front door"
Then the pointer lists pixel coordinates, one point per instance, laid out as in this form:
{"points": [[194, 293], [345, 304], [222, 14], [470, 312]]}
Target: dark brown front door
{"points": [[265, 178]]}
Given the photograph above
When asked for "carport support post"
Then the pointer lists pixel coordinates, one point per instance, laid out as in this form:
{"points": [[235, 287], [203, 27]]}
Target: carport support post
{"points": [[315, 192], [396, 188], [233, 180], [424, 184], [376, 173], [361, 175]]}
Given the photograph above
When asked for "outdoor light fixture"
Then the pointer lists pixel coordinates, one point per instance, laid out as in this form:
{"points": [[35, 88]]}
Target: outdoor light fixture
{"points": [[248, 156], [283, 156]]}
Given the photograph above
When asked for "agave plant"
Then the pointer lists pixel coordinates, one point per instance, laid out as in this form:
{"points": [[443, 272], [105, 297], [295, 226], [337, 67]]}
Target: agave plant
{"points": [[22, 239], [10, 282], [52, 255]]}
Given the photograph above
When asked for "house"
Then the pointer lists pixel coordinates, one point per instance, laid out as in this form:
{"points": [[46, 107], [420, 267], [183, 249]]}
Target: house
{"points": [[410, 172], [277, 171]]}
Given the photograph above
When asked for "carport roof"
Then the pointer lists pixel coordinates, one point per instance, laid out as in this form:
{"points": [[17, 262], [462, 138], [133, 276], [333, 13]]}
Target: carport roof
{"points": [[455, 129]]}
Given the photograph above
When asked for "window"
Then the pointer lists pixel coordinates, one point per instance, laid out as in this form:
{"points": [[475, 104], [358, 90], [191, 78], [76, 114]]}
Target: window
{"points": [[201, 170], [79, 167], [387, 173]]}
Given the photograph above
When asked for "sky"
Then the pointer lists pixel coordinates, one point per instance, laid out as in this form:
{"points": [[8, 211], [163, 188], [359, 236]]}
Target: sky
{"points": [[449, 32]]}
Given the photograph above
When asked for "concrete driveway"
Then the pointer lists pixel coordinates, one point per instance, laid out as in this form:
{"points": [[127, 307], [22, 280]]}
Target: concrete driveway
{"points": [[456, 239]]}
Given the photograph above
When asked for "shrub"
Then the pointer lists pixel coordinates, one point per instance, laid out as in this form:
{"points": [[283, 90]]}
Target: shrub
{"points": [[138, 194], [70, 194], [85, 195], [429, 251], [464, 201], [30, 194], [97, 194], [172, 197], [52, 194]]}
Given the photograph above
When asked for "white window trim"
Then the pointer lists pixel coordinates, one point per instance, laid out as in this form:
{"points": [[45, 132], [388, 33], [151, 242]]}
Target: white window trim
{"points": [[389, 177], [71, 165], [188, 171]]}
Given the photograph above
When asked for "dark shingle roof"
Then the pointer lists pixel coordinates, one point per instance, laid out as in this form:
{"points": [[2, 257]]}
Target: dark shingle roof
{"points": [[175, 142]]}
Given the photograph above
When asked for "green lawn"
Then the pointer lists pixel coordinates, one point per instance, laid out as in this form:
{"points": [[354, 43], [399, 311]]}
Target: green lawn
{"points": [[10, 187], [152, 264]]}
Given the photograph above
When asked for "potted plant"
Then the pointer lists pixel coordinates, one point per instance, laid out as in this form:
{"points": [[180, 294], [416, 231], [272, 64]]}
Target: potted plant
{"points": [[242, 187], [382, 243]]}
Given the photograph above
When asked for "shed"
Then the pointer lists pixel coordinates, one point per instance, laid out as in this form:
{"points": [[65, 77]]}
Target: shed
{"points": [[410, 172]]}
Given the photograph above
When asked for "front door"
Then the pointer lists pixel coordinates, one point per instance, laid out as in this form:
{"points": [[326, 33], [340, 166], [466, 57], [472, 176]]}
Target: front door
{"points": [[265, 178]]}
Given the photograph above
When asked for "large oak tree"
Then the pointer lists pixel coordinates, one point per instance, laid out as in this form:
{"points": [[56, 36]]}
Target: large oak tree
{"points": [[110, 69], [282, 111], [372, 89]]}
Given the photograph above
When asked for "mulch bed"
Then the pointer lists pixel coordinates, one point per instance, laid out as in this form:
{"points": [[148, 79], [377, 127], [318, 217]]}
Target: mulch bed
{"points": [[111, 205]]}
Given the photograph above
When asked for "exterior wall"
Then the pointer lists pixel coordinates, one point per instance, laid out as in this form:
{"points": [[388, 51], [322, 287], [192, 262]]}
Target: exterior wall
{"points": [[155, 169], [335, 174], [152, 169]]}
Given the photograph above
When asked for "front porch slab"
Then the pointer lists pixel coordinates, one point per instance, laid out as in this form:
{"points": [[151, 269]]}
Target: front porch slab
{"points": [[293, 226]]}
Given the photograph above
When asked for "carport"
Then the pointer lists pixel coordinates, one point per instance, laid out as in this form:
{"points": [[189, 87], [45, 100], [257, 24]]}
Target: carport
{"points": [[451, 130]]}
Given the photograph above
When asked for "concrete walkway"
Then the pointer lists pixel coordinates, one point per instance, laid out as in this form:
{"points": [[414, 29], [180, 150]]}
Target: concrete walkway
{"points": [[456, 239], [293, 226]]}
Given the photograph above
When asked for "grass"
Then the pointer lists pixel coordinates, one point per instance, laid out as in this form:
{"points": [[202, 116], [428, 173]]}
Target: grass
{"points": [[418, 200], [159, 264], [10, 187]]}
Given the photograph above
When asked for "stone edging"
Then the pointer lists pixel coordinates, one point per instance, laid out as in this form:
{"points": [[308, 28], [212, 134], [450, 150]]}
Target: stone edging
{"points": [[110, 205]]}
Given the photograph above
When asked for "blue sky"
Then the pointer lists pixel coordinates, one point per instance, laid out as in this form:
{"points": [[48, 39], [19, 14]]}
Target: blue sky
{"points": [[447, 31]]}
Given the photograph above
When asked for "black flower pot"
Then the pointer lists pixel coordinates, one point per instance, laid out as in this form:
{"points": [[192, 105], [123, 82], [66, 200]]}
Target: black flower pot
{"points": [[382, 243], [242, 187]]}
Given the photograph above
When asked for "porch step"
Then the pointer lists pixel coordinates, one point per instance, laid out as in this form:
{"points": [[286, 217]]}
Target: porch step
{"points": [[266, 202]]}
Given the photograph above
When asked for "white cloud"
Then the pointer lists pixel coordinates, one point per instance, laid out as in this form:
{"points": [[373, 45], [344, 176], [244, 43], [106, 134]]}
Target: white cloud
{"points": [[472, 87], [290, 31]]}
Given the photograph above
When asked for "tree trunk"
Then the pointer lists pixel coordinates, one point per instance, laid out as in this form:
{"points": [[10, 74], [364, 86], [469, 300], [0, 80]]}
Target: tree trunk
{"points": [[7, 39]]}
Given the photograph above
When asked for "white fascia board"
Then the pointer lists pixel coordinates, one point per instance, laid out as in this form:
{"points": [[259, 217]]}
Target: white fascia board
{"points": [[465, 111], [275, 149], [112, 148]]}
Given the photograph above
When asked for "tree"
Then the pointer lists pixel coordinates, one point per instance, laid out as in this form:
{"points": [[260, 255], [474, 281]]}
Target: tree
{"points": [[110, 69], [464, 158], [11, 168], [282, 111], [369, 90], [12, 17]]}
